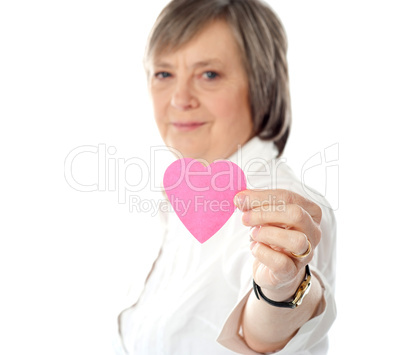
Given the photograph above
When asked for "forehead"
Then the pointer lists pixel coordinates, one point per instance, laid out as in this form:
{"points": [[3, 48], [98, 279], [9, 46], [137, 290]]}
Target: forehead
{"points": [[215, 43]]}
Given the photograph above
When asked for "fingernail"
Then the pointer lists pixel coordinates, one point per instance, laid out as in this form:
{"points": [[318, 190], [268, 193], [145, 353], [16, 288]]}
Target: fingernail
{"points": [[254, 232], [252, 246], [246, 218], [238, 200]]}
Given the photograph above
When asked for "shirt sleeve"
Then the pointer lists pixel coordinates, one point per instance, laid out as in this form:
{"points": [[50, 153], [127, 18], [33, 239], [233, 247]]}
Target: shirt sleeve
{"points": [[311, 338]]}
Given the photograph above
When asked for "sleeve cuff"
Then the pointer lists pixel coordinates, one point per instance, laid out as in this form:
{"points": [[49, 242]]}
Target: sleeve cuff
{"points": [[230, 336], [309, 335]]}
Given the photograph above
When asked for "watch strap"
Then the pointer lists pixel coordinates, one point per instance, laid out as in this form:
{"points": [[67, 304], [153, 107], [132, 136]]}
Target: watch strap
{"points": [[297, 298]]}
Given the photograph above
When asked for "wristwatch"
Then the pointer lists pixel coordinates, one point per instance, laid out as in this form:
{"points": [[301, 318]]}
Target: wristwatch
{"points": [[297, 298]]}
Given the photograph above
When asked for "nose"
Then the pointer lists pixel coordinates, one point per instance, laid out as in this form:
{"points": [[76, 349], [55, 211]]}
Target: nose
{"points": [[183, 97]]}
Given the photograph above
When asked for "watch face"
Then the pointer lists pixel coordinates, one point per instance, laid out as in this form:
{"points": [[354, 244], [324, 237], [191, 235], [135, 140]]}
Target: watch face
{"points": [[304, 290]]}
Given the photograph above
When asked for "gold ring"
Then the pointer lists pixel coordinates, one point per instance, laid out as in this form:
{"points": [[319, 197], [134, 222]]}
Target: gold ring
{"points": [[306, 253]]}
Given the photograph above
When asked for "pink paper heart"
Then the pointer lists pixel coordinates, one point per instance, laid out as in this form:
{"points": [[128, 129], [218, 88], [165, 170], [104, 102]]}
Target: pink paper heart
{"points": [[202, 196]]}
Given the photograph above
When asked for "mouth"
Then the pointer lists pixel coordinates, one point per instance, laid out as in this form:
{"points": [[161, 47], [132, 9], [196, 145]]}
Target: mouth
{"points": [[187, 126]]}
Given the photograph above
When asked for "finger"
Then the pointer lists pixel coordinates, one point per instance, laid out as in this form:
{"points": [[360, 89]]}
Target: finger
{"points": [[293, 217], [250, 199], [277, 268], [285, 240]]}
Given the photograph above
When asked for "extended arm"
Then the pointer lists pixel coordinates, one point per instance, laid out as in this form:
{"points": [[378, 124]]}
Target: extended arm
{"points": [[284, 223]]}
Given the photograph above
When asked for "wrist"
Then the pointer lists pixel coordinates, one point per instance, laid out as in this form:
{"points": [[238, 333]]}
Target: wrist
{"points": [[285, 292], [292, 302]]}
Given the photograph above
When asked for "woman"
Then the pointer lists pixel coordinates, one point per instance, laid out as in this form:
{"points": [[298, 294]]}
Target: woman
{"points": [[217, 75]]}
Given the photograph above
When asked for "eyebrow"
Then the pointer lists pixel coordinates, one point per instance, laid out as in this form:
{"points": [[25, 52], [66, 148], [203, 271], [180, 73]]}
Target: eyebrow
{"points": [[200, 64]]}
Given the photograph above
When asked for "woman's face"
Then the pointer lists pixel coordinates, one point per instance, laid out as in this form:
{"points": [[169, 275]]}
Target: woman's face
{"points": [[200, 96]]}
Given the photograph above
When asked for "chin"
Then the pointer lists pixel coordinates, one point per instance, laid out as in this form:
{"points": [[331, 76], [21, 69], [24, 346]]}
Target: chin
{"points": [[192, 153], [187, 149]]}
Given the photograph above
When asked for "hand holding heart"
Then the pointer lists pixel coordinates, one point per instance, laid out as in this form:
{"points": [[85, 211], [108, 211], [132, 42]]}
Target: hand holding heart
{"points": [[283, 223]]}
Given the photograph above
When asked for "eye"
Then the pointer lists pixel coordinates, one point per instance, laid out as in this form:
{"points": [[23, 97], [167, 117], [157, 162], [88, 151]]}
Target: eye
{"points": [[162, 75], [210, 75]]}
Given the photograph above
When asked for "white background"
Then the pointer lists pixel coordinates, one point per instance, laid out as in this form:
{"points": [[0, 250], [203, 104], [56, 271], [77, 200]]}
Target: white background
{"points": [[71, 75]]}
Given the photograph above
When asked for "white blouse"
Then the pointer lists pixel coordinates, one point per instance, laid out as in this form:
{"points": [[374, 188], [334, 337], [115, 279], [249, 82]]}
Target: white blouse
{"points": [[194, 293]]}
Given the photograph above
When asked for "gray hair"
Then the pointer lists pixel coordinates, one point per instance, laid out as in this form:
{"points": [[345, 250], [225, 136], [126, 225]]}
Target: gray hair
{"points": [[262, 42]]}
